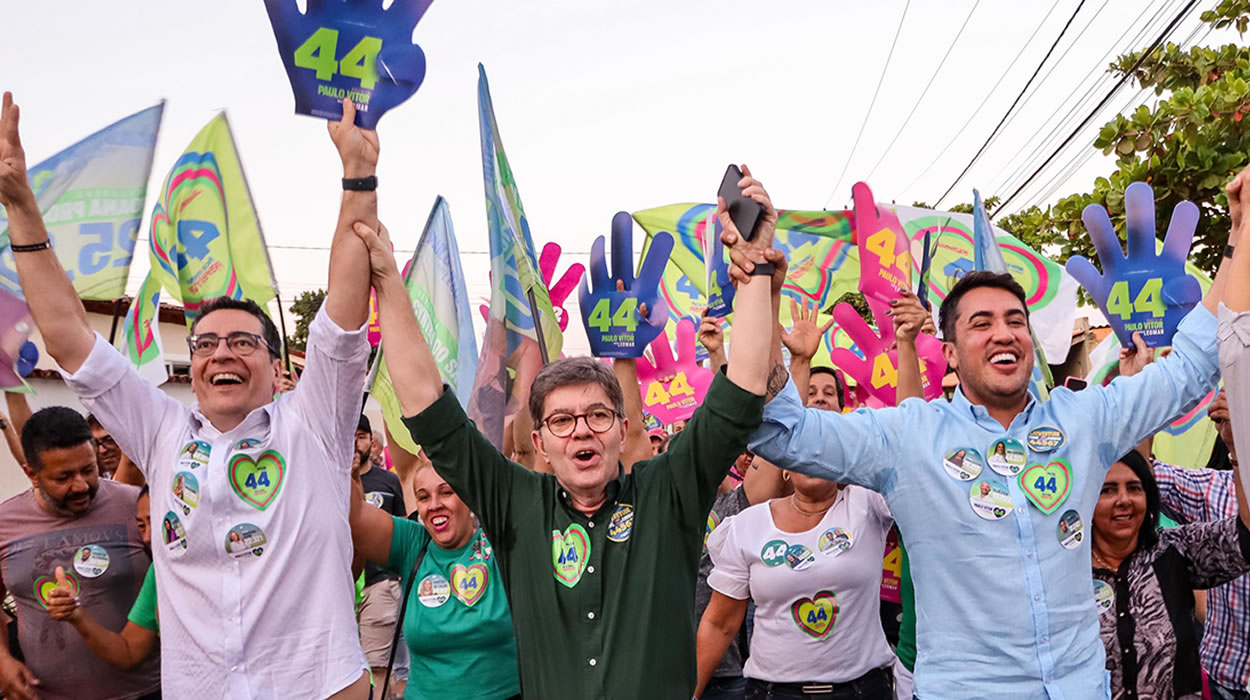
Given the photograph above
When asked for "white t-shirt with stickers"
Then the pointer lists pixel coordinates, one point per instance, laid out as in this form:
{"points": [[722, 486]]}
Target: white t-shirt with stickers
{"points": [[250, 536], [816, 593]]}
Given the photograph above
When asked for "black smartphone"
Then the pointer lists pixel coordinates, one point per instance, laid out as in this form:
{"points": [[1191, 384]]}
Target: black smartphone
{"points": [[1075, 383], [744, 211]]}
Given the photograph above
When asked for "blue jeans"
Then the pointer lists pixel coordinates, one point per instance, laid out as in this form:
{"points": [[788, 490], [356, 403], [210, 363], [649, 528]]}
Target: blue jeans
{"points": [[725, 688], [1219, 692]]}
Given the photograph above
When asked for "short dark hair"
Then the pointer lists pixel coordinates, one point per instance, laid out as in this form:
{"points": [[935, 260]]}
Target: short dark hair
{"points": [[53, 428], [143, 491], [268, 331], [976, 279], [571, 371], [1147, 535], [837, 380], [93, 422]]}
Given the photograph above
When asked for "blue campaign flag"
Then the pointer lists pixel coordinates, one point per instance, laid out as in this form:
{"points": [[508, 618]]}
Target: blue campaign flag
{"points": [[91, 196]]}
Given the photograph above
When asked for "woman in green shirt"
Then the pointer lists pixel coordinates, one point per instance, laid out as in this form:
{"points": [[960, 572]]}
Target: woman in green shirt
{"points": [[458, 626]]}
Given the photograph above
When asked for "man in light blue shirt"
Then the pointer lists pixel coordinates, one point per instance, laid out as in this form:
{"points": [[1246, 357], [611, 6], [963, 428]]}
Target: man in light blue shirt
{"points": [[1004, 594]]}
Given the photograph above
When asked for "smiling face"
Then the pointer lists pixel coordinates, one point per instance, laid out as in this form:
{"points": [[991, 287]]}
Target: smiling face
{"points": [[229, 386], [68, 480], [1121, 505], [444, 515], [992, 349], [822, 392], [584, 461]]}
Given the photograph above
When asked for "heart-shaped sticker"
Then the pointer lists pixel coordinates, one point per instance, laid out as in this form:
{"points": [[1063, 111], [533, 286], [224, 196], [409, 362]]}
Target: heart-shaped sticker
{"points": [[570, 552], [1047, 485], [469, 582], [257, 481], [45, 584], [816, 615]]}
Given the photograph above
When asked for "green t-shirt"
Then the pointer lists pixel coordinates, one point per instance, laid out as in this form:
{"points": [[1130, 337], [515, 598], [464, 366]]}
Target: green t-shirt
{"points": [[906, 649], [143, 612], [458, 626]]}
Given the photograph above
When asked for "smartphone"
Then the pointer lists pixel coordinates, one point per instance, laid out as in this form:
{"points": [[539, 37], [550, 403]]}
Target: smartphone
{"points": [[1075, 383], [744, 211]]}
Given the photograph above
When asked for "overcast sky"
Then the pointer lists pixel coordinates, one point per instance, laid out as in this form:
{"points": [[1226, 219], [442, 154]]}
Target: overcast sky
{"points": [[601, 106]]}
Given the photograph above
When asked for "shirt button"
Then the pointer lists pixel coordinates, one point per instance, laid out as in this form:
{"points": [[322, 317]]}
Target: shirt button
{"points": [[1044, 639], [592, 662], [1020, 510], [233, 669], [590, 615], [1029, 555], [1037, 597], [590, 569], [592, 524]]}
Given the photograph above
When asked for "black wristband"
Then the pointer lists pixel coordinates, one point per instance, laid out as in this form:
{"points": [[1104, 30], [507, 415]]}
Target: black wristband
{"points": [[360, 184], [1228, 250], [30, 248], [765, 269]]}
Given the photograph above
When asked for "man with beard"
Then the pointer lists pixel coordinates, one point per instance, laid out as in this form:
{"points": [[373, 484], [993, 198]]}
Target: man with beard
{"points": [[73, 522], [379, 608]]}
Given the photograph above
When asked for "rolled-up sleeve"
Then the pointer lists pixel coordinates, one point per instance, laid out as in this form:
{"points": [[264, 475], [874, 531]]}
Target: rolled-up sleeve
{"points": [[847, 448], [132, 409], [1234, 339], [1130, 409], [328, 397]]}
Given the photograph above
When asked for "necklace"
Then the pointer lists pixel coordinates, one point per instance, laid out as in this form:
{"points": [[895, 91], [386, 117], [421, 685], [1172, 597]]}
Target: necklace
{"points": [[794, 503], [1102, 562]]}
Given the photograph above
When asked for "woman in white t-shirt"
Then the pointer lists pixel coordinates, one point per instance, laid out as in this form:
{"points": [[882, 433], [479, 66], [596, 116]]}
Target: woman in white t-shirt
{"points": [[812, 564]]}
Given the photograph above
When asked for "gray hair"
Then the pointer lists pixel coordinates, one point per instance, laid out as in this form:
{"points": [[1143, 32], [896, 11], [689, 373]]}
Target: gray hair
{"points": [[572, 371]]}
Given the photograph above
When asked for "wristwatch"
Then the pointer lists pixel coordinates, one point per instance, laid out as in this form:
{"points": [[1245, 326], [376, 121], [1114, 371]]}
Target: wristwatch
{"points": [[360, 184], [1228, 251], [764, 269]]}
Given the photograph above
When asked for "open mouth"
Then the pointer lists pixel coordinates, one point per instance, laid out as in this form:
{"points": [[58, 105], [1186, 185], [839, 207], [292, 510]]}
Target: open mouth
{"points": [[439, 522], [225, 379], [585, 458], [1005, 360], [1122, 518]]}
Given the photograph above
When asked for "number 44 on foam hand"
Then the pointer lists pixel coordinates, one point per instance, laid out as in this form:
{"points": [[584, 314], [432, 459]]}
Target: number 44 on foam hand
{"points": [[349, 48], [613, 320], [1144, 291]]}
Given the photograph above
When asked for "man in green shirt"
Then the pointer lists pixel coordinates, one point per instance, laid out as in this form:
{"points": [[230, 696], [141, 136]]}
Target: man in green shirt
{"points": [[599, 566]]}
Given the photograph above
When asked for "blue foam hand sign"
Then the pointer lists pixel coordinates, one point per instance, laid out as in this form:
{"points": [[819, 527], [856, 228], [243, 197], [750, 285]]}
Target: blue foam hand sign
{"points": [[720, 293], [1143, 291], [614, 325], [349, 48], [27, 358]]}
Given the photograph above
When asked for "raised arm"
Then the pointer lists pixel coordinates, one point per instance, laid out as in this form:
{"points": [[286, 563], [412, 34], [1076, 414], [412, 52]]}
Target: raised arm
{"points": [[413, 371], [637, 447], [803, 341], [712, 338], [753, 320], [347, 290], [19, 410], [1234, 332], [54, 304], [910, 319]]}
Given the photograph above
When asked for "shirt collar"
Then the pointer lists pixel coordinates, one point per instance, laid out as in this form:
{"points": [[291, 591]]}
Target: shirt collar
{"points": [[978, 412], [257, 421], [612, 491]]}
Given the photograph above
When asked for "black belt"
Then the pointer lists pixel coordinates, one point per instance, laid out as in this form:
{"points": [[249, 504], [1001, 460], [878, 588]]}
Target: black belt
{"points": [[818, 687]]}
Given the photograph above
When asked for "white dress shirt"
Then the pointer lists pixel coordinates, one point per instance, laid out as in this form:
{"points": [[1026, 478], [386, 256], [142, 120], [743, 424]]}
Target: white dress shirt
{"points": [[254, 583]]}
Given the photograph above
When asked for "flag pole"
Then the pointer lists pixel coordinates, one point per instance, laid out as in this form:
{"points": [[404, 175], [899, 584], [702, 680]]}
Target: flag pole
{"points": [[538, 329], [273, 280]]}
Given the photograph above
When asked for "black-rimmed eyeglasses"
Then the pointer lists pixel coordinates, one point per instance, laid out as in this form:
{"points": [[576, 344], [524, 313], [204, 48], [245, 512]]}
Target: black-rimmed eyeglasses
{"points": [[240, 343]]}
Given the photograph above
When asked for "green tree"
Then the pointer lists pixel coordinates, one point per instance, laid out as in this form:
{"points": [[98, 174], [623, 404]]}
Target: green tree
{"points": [[305, 308], [1187, 147]]}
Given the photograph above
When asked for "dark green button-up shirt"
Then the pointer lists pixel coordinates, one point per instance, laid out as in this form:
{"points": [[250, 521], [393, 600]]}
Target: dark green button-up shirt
{"points": [[602, 607]]}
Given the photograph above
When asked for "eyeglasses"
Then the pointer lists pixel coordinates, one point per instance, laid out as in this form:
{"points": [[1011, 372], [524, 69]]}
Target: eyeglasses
{"points": [[599, 420], [240, 343]]}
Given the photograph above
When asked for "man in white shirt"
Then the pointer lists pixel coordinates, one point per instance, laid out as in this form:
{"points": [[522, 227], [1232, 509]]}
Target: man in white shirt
{"points": [[253, 549]]}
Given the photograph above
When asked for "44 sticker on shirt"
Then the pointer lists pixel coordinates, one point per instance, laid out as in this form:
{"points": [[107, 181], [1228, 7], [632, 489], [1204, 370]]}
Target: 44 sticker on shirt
{"points": [[817, 615], [257, 481], [469, 582], [45, 584], [570, 552], [1047, 485]]}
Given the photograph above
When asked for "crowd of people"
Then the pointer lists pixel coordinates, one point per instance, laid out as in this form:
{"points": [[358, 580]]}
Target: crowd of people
{"points": [[736, 555]]}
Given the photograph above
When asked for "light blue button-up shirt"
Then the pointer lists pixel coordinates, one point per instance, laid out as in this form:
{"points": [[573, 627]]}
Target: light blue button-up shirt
{"points": [[1003, 609]]}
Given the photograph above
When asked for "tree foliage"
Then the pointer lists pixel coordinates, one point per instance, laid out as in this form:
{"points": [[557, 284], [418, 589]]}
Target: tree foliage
{"points": [[305, 309], [1187, 147]]}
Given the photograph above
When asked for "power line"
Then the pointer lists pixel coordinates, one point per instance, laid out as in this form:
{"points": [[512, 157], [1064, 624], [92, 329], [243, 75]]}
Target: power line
{"points": [[871, 104], [1123, 79], [1013, 103], [920, 100], [988, 95], [1044, 143]]}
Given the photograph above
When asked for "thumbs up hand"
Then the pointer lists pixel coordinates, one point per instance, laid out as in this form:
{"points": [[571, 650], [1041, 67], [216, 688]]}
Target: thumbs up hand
{"points": [[63, 602]]}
